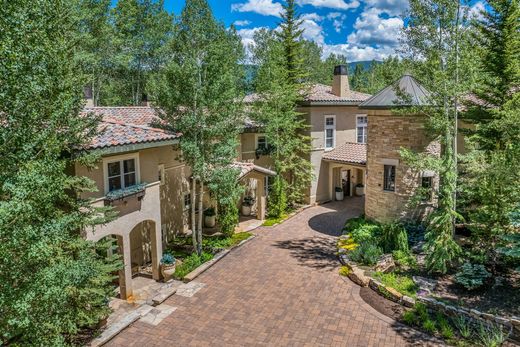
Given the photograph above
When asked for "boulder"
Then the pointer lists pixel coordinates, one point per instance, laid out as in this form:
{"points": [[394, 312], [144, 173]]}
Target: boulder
{"points": [[357, 276], [391, 293], [425, 284], [385, 264], [516, 328], [407, 301]]}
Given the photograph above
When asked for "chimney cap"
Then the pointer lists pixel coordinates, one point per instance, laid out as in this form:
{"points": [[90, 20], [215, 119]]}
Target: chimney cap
{"points": [[341, 70]]}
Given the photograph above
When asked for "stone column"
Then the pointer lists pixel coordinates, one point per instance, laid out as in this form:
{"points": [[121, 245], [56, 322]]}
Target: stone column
{"points": [[156, 238], [125, 274]]}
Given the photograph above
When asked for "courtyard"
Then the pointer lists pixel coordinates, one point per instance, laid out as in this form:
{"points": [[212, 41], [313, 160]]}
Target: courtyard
{"points": [[280, 289]]}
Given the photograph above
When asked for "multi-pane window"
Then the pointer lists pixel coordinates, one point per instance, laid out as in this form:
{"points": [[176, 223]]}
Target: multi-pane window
{"points": [[427, 184], [122, 174], [330, 129], [361, 126], [389, 178], [261, 142]]}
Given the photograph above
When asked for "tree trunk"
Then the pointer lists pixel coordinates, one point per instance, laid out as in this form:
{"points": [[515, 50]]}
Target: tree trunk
{"points": [[201, 194], [192, 206]]}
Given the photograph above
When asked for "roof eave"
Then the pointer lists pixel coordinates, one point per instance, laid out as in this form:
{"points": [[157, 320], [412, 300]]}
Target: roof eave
{"points": [[116, 149]]}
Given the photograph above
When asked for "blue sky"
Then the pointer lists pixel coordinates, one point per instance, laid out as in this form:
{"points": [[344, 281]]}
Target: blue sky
{"points": [[358, 29]]}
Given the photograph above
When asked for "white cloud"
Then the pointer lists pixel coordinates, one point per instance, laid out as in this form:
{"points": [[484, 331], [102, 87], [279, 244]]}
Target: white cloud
{"points": [[263, 7], [312, 31], [475, 11], [390, 7], [242, 23], [355, 53], [371, 29], [247, 35], [337, 4], [337, 19]]}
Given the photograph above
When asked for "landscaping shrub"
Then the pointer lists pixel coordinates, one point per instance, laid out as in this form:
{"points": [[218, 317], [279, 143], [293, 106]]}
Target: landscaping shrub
{"points": [[344, 271], [444, 326], [491, 335], [401, 283], [190, 263], [472, 276], [394, 237], [405, 259], [463, 326], [354, 223], [366, 253], [429, 326], [366, 233]]}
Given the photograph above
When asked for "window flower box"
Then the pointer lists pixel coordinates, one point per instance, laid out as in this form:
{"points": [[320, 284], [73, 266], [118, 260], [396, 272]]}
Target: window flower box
{"points": [[137, 191]]}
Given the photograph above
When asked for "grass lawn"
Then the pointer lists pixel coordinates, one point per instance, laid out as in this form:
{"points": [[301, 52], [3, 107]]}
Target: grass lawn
{"points": [[402, 283], [269, 222]]}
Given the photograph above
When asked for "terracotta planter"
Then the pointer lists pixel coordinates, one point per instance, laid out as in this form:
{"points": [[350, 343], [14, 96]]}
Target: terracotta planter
{"points": [[209, 221], [167, 271], [246, 210]]}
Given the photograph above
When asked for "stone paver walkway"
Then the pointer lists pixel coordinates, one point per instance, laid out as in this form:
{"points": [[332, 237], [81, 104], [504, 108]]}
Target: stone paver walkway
{"points": [[280, 289]]}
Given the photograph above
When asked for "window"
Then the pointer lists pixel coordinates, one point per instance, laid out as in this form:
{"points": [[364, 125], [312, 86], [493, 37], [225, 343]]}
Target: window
{"points": [[361, 129], [389, 178], [187, 201], [330, 132], [427, 185], [121, 174], [261, 142]]}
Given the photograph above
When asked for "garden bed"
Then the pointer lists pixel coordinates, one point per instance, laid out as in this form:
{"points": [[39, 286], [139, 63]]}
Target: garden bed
{"points": [[387, 261], [188, 260]]}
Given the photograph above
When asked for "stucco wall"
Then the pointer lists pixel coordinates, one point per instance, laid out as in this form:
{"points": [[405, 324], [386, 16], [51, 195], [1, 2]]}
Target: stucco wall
{"points": [[387, 134], [248, 148]]}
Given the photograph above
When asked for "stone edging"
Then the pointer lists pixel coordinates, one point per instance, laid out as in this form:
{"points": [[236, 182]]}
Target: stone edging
{"points": [[358, 276], [199, 270]]}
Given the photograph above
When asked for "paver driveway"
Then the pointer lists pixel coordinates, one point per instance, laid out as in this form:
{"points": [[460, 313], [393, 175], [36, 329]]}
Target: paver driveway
{"points": [[280, 289]]}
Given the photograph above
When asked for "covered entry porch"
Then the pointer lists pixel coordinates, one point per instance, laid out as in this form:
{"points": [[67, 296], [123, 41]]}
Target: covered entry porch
{"points": [[347, 171]]}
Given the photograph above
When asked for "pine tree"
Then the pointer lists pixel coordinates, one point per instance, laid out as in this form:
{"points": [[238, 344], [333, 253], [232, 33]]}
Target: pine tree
{"points": [[438, 32], [52, 282], [290, 37], [198, 92]]}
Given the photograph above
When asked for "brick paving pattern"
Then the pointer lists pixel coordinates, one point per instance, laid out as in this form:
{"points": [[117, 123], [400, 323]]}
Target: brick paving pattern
{"points": [[280, 289]]}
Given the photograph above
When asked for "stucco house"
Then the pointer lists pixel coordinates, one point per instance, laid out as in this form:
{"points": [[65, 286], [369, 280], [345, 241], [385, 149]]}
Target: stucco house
{"points": [[356, 139], [140, 174]]}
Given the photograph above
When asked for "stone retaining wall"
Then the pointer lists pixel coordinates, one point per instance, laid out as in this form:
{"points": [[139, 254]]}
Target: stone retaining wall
{"points": [[475, 317]]}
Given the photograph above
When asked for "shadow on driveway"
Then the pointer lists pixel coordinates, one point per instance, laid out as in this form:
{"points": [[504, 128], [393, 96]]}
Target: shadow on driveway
{"points": [[330, 223], [314, 252]]}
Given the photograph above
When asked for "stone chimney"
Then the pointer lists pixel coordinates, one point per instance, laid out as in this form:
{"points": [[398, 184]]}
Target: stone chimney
{"points": [[340, 85], [89, 96]]}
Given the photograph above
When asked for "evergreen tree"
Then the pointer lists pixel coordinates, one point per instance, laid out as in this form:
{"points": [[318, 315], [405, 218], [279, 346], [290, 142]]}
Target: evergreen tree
{"points": [[438, 32], [197, 92], [492, 168], [279, 84], [52, 282]]}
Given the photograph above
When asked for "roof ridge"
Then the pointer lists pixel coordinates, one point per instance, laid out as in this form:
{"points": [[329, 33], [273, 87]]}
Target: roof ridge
{"points": [[144, 127]]}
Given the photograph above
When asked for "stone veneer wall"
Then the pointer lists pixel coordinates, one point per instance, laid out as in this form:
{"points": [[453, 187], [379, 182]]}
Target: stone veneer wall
{"points": [[386, 135]]}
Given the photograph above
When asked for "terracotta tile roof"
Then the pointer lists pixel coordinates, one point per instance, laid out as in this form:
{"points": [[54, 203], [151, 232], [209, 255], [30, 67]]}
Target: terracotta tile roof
{"points": [[354, 153], [323, 93], [126, 126], [246, 168]]}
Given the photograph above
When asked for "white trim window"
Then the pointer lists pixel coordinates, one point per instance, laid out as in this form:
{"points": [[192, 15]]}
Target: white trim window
{"points": [[330, 132], [261, 142], [121, 172], [361, 128]]}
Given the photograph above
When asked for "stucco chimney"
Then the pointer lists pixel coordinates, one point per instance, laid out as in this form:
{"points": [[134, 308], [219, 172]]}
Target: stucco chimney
{"points": [[340, 85], [89, 96]]}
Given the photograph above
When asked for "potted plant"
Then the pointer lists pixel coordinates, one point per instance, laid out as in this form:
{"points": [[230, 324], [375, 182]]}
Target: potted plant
{"points": [[360, 189], [167, 266], [339, 194], [247, 204], [209, 217]]}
